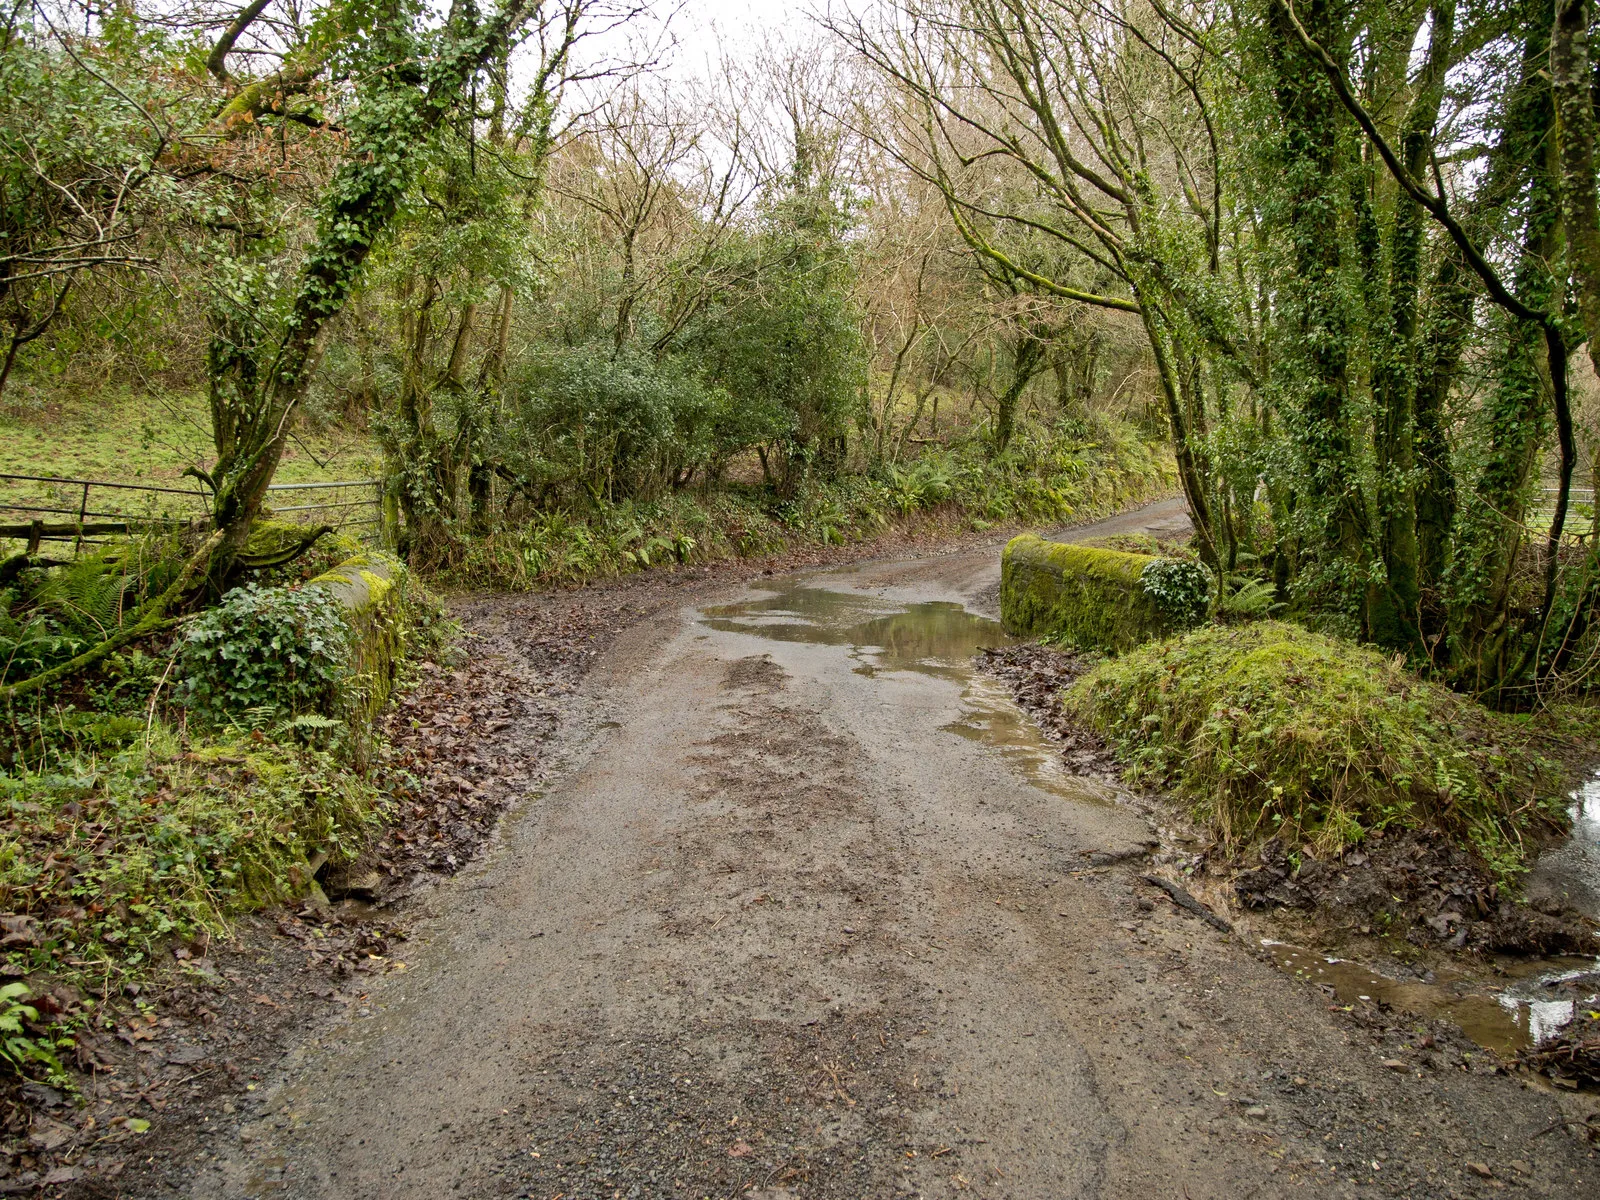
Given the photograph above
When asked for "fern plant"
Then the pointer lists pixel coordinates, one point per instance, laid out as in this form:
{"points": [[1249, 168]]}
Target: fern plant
{"points": [[19, 1048], [1249, 599], [91, 596]]}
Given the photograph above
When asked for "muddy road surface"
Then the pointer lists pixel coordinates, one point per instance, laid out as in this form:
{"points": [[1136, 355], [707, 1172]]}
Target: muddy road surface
{"points": [[813, 913]]}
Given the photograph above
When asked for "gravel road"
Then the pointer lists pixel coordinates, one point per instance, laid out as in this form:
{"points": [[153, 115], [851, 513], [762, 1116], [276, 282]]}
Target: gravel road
{"points": [[811, 913]]}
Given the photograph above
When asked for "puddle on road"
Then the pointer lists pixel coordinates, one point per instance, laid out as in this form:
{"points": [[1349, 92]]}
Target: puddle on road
{"points": [[1538, 999], [932, 637]]}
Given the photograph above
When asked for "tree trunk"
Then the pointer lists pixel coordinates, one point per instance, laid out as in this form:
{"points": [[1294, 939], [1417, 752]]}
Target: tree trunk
{"points": [[1027, 361], [1313, 157]]}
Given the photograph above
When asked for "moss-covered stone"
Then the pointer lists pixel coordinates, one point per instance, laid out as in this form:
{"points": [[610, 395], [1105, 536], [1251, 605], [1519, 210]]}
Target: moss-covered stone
{"points": [[1083, 595], [374, 590]]}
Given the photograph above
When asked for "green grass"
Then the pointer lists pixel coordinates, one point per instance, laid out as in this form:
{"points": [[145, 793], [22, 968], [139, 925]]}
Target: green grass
{"points": [[1269, 729], [128, 437]]}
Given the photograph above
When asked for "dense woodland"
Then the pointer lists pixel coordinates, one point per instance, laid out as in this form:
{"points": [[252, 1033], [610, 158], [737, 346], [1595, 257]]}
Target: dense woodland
{"points": [[1342, 259]]}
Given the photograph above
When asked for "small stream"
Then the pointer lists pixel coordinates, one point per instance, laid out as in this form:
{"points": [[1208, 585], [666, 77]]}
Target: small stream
{"points": [[1533, 1000]]}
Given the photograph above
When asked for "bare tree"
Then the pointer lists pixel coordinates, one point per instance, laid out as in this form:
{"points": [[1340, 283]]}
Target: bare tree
{"points": [[1068, 138]]}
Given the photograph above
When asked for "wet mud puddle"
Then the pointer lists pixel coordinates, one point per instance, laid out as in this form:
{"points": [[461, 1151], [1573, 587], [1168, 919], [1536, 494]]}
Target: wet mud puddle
{"points": [[930, 637], [1538, 998], [1536, 1001]]}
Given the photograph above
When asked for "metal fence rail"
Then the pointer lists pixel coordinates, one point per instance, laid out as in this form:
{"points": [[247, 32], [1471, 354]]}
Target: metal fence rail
{"points": [[62, 496]]}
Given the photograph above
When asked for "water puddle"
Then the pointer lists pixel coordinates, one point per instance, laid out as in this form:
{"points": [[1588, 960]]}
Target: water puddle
{"points": [[1571, 872], [932, 637], [1538, 999], [993, 720]]}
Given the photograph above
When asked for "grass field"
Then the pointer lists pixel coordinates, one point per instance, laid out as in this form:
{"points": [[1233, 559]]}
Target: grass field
{"points": [[146, 439]]}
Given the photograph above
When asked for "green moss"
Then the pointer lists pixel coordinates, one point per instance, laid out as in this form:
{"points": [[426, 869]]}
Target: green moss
{"points": [[112, 857], [1082, 595], [1143, 543], [387, 608], [1270, 729]]}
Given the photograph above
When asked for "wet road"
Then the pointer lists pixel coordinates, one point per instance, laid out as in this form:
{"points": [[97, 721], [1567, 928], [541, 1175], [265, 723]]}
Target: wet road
{"points": [[814, 914]]}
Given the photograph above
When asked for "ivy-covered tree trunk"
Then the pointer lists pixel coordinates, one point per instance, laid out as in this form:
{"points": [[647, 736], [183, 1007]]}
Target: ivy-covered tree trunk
{"points": [[1395, 608], [1312, 156], [1443, 340], [261, 387], [1490, 529], [1027, 360]]}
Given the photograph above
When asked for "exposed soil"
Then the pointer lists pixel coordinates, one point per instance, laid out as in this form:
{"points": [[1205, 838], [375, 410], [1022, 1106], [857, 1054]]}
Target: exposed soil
{"points": [[756, 923], [1425, 889]]}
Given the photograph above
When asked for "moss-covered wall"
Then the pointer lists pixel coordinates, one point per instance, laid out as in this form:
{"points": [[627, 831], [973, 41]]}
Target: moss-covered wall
{"points": [[1083, 595], [373, 589]]}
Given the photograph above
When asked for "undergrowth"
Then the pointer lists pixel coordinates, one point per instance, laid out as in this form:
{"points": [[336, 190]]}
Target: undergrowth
{"points": [[107, 859], [178, 784], [1270, 730], [1050, 475]]}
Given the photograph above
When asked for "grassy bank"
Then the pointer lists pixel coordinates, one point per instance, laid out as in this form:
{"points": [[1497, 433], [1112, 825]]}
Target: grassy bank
{"points": [[1270, 730]]}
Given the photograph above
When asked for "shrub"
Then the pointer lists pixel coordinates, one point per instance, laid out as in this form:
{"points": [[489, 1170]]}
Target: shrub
{"points": [[264, 654], [1180, 589], [1272, 730]]}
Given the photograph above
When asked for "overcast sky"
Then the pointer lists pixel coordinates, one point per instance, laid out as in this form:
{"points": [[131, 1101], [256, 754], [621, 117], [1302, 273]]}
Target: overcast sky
{"points": [[698, 26]]}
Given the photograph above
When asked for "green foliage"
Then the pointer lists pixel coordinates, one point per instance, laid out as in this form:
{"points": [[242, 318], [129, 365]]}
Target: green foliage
{"points": [[615, 425], [786, 339], [1270, 730], [20, 1047], [1070, 469], [29, 643], [77, 164], [109, 857], [925, 483], [57, 612], [698, 525], [1245, 599], [264, 654], [1180, 589]]}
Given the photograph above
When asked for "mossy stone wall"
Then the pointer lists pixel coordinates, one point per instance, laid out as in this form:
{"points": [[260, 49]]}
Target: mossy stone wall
{"points": [[1083, 595], [372, 587]]}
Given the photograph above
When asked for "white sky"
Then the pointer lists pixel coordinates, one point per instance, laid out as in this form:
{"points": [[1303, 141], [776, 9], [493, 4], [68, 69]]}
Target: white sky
{"points": [[698, 26]]}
